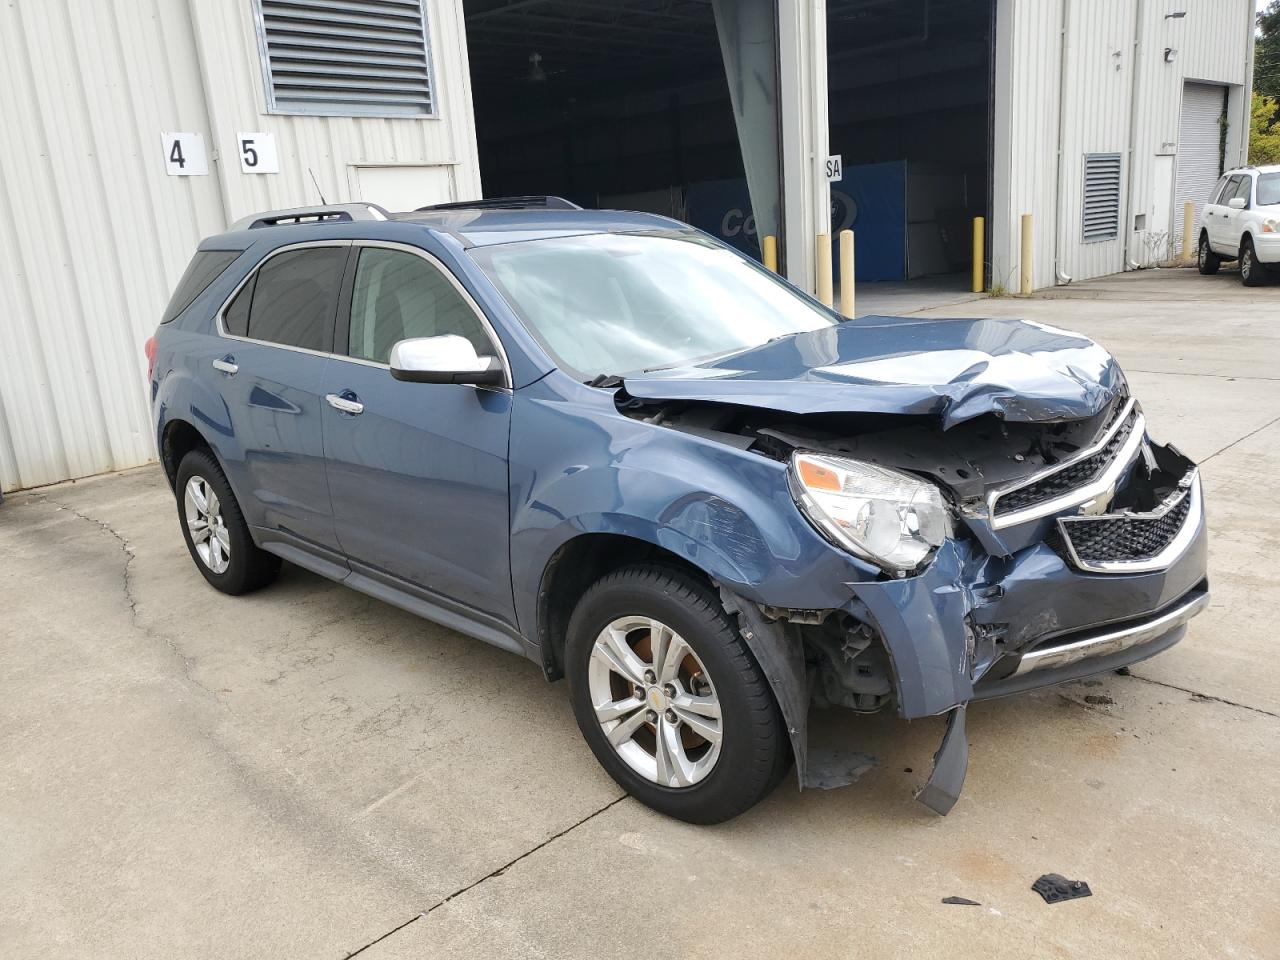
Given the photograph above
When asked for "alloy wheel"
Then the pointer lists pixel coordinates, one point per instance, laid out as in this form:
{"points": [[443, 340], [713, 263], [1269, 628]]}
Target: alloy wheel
{"points": [[655, 701], [205, 523], [1246, 263]]}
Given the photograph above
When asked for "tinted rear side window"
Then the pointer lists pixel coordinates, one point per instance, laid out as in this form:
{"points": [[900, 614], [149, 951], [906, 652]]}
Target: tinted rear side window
{"points": [[200, 272], [295, 297], [236, 319]]}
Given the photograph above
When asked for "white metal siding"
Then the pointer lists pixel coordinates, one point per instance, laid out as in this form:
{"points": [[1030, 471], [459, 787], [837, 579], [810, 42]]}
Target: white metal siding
{"points": [[1133, 109], [94, 234], [1098, 78], [1199, 162]]}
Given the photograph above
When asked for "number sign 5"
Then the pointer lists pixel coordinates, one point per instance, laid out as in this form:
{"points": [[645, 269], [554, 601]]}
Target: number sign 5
{"points": [[257, 152]]}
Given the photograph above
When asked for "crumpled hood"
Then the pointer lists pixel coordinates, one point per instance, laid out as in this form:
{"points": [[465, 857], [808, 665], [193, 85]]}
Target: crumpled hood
{"points": [[954, 369]]}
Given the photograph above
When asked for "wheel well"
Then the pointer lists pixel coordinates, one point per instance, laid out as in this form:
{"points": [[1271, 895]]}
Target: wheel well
{"points": [[180, 438], [575, 567]]}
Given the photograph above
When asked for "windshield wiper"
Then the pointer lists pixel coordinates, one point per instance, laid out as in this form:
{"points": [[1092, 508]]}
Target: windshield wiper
{"points": [[605, 380]]}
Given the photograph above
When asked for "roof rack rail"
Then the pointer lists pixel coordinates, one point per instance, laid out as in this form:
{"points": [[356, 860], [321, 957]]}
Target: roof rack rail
{"points": [[506, 203], [331, 213]]}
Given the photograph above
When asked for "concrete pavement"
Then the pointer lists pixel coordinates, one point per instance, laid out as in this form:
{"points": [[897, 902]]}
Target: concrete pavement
{"points": [[307, 772]]}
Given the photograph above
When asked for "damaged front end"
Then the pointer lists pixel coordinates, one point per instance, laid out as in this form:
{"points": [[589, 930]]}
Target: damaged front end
{"points": [[1072, 546]]}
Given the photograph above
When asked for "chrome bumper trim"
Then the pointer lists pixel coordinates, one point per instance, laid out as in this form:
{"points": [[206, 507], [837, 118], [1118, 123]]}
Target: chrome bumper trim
{"points": [[1113, 641]]}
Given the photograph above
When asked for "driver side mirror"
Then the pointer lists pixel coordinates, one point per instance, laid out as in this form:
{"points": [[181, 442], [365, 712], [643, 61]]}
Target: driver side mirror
{"points": [[1237, 203], [445, 359]]}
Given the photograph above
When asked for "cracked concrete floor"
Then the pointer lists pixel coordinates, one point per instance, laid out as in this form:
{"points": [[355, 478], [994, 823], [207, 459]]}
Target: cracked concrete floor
{"points": [[310, 773]]}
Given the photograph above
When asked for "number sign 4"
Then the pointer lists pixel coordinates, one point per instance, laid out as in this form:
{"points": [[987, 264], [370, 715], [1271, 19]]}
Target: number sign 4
{"points": [[184, 155]]}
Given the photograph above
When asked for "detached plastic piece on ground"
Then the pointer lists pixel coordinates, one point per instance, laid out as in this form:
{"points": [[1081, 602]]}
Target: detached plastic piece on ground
{"points": [[831, 769], [962, 901], [1055, 888], [950, 764]]}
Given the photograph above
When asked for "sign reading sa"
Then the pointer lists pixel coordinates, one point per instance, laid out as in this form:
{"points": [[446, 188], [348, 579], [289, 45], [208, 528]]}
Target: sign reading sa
{"points": [[184, 155], [835, 168]]}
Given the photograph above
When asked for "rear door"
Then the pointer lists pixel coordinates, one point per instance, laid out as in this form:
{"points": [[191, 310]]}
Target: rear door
{"points": [[418, 475], [278, 330]]}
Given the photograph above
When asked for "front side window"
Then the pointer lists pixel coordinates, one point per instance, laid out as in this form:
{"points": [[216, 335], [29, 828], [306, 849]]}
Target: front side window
{"points": [[612, 304], [1242, 191], [400, 296], [1217, 195], [1228, 190], [1269, 190], [295, 296]]}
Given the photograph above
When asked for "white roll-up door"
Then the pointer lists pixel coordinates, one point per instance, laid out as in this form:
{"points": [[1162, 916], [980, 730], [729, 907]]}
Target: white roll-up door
{"points": [[1199, 148]]}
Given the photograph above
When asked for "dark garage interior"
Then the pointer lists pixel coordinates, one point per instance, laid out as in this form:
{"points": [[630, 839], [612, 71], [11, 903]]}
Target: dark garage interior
{"points": [[909, 91], [625, 104]]}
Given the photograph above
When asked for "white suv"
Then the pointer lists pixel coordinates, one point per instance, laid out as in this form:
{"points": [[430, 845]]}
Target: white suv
{"points": [[1242, 222]]}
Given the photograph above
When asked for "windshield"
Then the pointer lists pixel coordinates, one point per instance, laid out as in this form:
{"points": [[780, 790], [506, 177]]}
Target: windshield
{"points": [[1269, 190], [608, 304]]}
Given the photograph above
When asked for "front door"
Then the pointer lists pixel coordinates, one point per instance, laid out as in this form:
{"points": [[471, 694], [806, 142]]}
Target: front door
{"points": [[1216, 215], [417, 471], [276, 336]]}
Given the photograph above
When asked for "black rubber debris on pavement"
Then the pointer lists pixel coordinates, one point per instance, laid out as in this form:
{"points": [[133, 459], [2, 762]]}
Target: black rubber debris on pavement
{"points": [[963, 901], [1098, 699], [1055, 888]]}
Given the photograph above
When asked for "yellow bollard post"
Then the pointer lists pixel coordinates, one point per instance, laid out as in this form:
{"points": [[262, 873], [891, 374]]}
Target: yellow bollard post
{"points": [[1026, 266], [979, 260], [822, 268], [770, 251], [1189, 252], [846, 272]]}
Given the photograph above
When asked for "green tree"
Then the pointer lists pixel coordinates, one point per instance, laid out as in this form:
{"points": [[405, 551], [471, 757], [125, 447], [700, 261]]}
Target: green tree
{"points": [[1266, 53], [1264, 130]]}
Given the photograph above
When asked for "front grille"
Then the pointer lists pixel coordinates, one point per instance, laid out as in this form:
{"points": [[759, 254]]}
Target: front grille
{"points": [[1070, 477], [1121, 539]]}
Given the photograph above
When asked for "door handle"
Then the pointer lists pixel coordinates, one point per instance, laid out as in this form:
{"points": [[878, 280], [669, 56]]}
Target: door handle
{"points": [[345, 402], [227, 365]]}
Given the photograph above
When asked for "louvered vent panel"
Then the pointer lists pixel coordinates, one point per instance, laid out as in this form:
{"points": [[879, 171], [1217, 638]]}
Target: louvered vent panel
{"points": [[347, 57], [1101, 197]]}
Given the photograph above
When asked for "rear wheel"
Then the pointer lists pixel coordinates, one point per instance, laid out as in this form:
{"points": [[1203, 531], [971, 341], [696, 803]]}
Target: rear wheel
{"points": [[1206, 259], [1252, 273], [215, 529], [669, 697]]}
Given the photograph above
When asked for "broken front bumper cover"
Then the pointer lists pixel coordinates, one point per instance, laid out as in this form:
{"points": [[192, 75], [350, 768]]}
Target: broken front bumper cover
{"points": [[978, 622]]}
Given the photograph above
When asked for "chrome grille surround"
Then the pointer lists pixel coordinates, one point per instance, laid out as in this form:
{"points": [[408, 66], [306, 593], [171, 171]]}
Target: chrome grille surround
{"points": [[1103, 463], [1136, 542]]}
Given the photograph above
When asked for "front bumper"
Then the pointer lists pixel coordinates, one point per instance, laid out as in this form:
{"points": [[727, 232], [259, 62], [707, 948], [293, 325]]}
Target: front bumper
{"points": [[974, 625], [1267, 247]]}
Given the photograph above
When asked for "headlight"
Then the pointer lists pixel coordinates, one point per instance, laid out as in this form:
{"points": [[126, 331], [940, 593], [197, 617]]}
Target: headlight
{"points": [[1271, 226], [890, 518]]}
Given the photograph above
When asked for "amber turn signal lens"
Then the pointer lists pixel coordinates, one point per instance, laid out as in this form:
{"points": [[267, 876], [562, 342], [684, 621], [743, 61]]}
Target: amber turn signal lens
{"points": [[817, 477]]}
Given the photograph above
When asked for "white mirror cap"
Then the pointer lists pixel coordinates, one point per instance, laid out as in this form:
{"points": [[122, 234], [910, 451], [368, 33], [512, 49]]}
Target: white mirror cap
{"points": [[449, 353], [1236, 203]]}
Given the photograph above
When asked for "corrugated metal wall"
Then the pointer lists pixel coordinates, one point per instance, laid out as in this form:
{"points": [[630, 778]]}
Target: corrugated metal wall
{"points": [[94, 234], [1120, 95]]}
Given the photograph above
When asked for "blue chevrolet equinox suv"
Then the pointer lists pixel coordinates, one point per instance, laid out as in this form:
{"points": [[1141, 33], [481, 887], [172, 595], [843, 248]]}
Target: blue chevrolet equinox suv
{"points": [[612, 444]]}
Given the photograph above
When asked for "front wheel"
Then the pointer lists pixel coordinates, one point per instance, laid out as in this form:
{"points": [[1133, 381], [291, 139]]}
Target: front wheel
{"points": [[1206, 259], [669, 697], [1252, 273]]}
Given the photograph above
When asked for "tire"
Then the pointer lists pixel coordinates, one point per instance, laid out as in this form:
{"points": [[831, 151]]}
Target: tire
{"points": [[722, 776], [1208, 261], [236, 565], [1252, 273]]}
